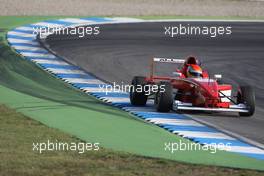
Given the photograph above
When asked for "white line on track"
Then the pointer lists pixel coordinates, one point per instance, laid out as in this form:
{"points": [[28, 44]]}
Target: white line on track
{"points": [[65, 71], [14, 40], [197, 134], [174, 122], [29, 48], [41, 55], [91, 89], [82, 80], [22, 34], [117, 99], [43, 61]]}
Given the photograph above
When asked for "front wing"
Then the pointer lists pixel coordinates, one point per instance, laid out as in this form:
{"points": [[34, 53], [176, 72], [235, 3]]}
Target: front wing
{"points": [[178, 105]]}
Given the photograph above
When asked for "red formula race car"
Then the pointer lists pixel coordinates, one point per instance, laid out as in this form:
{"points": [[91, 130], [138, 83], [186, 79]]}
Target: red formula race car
{"points": [[190, 88]]}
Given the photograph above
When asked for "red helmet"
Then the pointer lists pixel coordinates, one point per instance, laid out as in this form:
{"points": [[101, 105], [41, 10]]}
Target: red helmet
{"points": [[194, 70], [192, 60]]}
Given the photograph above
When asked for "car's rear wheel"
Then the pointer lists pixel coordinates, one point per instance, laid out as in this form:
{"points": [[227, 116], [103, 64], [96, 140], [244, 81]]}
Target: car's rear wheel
{"points": [[246, 95], [137, 94], [164, 97]]}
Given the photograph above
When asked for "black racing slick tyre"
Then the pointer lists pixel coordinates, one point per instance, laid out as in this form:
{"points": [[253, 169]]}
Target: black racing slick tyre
{"points": [[246, 95], [164, 97], [137, 91]]}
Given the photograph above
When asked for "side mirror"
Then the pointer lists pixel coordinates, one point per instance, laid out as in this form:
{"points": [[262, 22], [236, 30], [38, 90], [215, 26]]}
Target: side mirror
{"points": [[177, 74], [218, 76]]}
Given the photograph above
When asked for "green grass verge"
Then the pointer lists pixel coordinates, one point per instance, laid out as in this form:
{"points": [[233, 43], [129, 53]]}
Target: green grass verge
{"points": [[18, 132], [30, 90]]}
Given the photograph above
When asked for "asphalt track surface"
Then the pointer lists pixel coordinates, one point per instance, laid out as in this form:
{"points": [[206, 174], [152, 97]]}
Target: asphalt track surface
{"points": [[122, 51]]}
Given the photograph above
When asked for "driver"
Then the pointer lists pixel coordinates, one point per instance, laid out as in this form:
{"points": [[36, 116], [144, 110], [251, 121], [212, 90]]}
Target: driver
{"points": [[194, 71], [191, 68]]}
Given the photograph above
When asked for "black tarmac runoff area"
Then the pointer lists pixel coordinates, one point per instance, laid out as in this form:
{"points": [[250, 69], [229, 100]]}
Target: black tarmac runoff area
{"points": [[122, 51]]}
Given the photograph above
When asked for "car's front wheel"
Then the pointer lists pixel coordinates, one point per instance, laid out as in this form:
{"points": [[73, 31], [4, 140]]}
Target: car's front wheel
{"points": [[137, 93], [164, 97], [246, 96]]}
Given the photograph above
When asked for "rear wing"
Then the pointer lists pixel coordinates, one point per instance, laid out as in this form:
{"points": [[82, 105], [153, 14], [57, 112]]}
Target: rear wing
{"points": [[168, 60], [164, 60]]}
